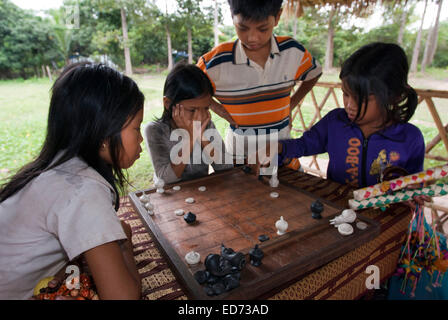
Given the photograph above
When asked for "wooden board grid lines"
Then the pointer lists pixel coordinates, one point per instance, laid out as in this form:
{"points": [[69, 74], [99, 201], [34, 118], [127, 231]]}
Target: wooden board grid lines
{"points": [[234, 210]]}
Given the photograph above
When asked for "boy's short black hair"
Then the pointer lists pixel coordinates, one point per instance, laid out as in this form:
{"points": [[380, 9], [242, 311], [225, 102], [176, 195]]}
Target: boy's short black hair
{"points": [[256, 10]]}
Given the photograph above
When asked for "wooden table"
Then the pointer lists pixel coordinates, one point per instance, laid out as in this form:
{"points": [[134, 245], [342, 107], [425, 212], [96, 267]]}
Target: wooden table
{"points": [[336, 271]]}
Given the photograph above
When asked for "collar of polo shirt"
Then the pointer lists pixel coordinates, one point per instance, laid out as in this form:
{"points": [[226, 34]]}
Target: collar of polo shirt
{"points": [[240, 54]]}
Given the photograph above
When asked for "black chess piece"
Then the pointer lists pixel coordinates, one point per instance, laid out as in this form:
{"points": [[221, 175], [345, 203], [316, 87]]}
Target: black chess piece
{"points": [[316, 208], [219, 288], [217, 265], [256, 254], [190, 218], [236, 259], [231, 281], [212, 279], [201, 276], [247, 169], [263, 238], [209, 290]]}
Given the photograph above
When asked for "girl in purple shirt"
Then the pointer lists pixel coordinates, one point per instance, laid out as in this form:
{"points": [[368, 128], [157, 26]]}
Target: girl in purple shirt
{"points": [[372, 132]]}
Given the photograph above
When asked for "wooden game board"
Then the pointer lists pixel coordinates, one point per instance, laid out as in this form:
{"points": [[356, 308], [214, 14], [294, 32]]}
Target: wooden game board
{"points": [[234, 210]]}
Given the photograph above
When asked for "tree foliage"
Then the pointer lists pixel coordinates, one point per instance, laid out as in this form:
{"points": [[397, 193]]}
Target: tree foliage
{"points": [[28, 41]]}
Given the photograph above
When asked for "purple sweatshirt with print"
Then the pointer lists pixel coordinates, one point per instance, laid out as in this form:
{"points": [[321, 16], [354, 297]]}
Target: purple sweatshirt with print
{"points": [[354, 159]]}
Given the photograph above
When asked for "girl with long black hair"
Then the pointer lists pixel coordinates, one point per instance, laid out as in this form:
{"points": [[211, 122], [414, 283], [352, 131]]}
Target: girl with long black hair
{"points": [[62, 205]]}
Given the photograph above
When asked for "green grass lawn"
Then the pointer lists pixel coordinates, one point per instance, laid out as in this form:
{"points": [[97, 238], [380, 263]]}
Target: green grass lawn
{"points": [[24, 109]]}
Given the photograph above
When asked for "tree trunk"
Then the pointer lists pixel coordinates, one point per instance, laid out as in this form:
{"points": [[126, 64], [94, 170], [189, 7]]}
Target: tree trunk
{"points": [[427, 49], [402, 26], [215, 24], [330, 43], [49, 74], [294, 28], [170, 50], [417, 42], [127, 53], [435, 37], [190, 46]]}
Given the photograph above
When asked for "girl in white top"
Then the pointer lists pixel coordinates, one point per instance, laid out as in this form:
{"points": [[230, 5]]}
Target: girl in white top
{"points": [[187, 96], [62, 205]]}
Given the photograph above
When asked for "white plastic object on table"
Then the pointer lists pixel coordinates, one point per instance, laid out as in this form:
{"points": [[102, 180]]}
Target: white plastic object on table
{"points": [[179, 212], [345, 229], [144, 198], [281, 226], [193, 257], [189, 200], [149, 206], [273, 182], [347, 216], [159, 184]]}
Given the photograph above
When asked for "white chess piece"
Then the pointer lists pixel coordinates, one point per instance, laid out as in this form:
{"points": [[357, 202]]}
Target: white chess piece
{"points": [[345, 229], [189, 200], [347, 216], [149, 206], [281, 226], [145, 198], [159, 184], [361, 225], [273, 182], [193, 257], [179, 212]]}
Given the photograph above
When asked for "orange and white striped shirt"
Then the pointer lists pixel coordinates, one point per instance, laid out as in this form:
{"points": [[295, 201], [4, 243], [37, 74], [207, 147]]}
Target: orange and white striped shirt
{"points": [[256, 97]]}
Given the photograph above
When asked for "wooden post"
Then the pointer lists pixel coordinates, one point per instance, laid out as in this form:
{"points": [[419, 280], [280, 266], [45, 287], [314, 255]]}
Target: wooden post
{"points": [[435, 141], [435, 116]]}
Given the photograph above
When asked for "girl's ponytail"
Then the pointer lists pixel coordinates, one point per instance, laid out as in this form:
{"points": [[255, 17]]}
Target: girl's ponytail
{"points": [[404, 109]]}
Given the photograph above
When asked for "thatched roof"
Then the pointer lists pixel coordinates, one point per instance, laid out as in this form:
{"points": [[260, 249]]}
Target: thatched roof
{"points": [[358, 7]]}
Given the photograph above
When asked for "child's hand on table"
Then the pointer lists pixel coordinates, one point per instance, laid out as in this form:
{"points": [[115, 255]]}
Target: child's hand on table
{"points": [[263, 157]]}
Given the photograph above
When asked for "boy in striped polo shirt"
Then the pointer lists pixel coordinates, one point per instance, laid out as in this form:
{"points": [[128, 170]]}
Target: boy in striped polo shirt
{"points": [[253, 76]]}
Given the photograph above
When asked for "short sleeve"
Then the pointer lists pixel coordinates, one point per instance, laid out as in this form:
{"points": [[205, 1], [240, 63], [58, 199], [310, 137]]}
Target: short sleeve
{"points": [[202, 64], [309, 68], [159, 151], [86, 219]]}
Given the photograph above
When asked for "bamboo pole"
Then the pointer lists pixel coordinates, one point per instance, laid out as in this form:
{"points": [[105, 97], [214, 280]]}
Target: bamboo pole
{"points": [[435, 116]]}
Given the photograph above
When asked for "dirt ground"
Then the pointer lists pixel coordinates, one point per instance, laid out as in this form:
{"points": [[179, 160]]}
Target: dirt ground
{"points": [[428, 83]]}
